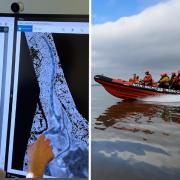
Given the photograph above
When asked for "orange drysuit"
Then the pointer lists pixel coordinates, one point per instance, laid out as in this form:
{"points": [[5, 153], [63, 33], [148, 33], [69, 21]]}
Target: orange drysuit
{"points": [[148, 81]]}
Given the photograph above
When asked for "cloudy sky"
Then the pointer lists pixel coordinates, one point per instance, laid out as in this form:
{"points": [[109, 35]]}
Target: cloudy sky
{"points": [[132, 36]]}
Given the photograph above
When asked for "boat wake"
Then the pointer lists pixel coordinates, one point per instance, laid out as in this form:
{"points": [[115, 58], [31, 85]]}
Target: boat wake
{"points": [[162, 99]]}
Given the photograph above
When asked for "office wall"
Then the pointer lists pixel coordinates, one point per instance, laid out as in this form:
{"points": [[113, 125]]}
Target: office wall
{"points": [[48, 6]]}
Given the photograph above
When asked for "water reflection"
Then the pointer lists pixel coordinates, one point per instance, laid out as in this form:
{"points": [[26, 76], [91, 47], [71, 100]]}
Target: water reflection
{"points": [[134, 140], [133, 161], [138, 117]]}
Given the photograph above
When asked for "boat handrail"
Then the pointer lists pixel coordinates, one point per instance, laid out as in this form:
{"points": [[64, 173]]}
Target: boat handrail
{"points": [[156, 88]]}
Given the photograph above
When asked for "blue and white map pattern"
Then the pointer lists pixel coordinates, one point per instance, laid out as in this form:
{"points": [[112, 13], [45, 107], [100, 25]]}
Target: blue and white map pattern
{"points": [[58, 117]]}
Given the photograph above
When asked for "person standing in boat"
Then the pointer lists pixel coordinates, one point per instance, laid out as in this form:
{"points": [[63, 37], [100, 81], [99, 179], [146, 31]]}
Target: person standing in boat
{"points": [[172, 80], [177, 82], [148, 81], [164, 81]]}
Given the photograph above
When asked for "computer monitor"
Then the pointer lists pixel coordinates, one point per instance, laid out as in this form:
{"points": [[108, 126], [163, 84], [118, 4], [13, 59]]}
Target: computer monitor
{"points": [[50, 94], [6, 54]]}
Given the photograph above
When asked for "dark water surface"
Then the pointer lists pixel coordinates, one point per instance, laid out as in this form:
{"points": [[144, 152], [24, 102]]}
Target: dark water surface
{"points": [[134, 140]]}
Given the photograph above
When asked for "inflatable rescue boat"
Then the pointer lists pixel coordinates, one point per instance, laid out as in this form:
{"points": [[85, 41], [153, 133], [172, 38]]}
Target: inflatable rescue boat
{"points": [[128, 90]]}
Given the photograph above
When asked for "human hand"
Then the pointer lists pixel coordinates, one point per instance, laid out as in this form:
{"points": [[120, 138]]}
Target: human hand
{"points": [[2, 174], [40, 154]]}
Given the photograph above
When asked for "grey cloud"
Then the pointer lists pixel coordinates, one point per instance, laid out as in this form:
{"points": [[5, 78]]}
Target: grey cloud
{"points": [[149, 40]]}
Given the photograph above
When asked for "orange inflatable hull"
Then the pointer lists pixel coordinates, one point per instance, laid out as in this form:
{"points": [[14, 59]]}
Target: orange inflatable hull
{"points": [[128, 90]]}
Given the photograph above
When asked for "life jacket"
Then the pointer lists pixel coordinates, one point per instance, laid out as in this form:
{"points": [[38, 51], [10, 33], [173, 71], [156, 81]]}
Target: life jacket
{"points": [[136, 80], [130, 80], [165, 80], [155, 84], [148, 80]]}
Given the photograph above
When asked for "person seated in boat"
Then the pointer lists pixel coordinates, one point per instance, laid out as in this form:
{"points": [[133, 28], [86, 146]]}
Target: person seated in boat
{"points": [[172, 80], [148, 81], [130, 80], [177, 82], [164, 81], [137, 80], [155, 84], [134, 79]]}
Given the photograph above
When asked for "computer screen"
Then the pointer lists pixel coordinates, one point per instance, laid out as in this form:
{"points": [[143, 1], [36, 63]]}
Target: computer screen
{"points": [[6, 54], [50, 93]]}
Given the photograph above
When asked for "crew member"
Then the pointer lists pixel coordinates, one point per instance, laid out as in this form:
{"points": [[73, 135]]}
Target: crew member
{"points": [[148, 81], [177, 82], [130, 80], [134, 79], [137, 80], [172, 80], [164, 81]]}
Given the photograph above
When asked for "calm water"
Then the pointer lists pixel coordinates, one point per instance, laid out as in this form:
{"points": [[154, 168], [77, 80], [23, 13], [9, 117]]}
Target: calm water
{"points": [[134, 140]]}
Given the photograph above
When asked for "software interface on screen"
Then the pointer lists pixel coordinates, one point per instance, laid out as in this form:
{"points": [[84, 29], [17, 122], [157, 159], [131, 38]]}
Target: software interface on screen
{"points": [[50, 95], [6, 52]]}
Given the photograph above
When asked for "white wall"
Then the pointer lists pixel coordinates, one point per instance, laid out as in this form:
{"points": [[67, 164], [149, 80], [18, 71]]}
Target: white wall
{"points": [[49, 6]]}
